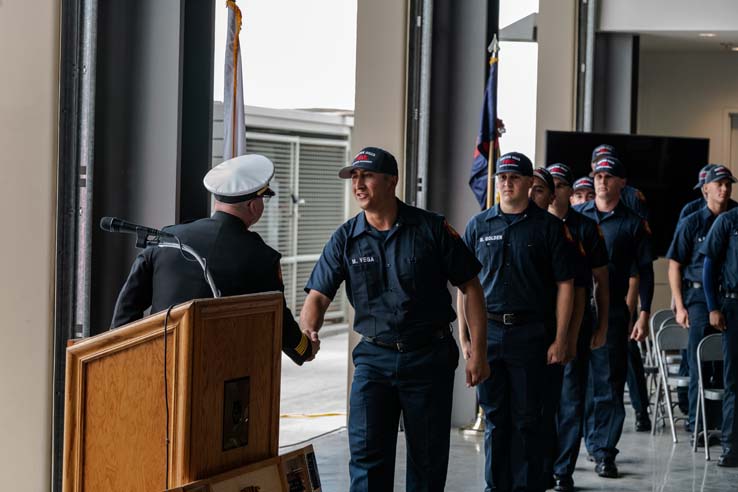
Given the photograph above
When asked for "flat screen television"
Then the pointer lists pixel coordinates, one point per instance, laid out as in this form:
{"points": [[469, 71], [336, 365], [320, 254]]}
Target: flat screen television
{"points": [[665, 169]]}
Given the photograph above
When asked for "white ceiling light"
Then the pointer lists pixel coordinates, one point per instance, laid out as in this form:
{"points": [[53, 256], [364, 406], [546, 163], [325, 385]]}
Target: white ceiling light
{"points": [[707, 34]]}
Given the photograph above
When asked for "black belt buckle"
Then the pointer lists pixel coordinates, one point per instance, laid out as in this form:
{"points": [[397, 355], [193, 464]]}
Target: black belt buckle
{"points": [[508, 319], [400, 347]]}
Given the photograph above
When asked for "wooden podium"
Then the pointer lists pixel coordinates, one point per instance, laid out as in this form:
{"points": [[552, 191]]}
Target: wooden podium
{"points": [[222, 394]]}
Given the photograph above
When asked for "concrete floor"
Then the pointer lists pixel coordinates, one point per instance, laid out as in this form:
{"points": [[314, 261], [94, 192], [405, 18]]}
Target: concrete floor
{"points": [[319, 388]]}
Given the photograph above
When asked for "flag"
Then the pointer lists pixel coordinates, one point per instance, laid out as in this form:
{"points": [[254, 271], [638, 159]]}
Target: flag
{"points": [[234, 129], [488, 138]]}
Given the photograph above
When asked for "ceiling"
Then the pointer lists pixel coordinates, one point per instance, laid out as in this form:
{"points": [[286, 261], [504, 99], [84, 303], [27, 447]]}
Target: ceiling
{"points": [[687, 41]]}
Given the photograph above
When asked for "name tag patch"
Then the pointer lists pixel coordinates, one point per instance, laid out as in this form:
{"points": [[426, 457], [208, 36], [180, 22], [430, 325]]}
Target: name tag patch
{"points": [[486, 239], [362, 259]]}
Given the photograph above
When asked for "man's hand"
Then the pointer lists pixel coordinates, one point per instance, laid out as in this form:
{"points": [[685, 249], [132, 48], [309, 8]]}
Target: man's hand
{"points": [[717, 320], [640, 329], [557, 352], [314, 339], [598, 338], [682, 316], [477, 370]]}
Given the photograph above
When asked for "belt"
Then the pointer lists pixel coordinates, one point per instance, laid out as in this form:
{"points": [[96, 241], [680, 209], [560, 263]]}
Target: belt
{"points": [[512, 319], [692, 285], [731, 295], [413, 343]]}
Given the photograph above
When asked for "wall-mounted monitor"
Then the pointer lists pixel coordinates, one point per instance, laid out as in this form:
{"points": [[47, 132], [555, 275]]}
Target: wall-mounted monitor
{"points": [[665, 169]]}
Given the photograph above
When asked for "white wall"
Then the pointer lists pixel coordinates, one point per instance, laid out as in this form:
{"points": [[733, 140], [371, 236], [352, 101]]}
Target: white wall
{"points": [[556, 94], [668, 15], [29, 50], [688, 95]]}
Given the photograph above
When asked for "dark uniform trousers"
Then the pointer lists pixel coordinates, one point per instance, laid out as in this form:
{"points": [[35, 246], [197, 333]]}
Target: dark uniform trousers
{"points": [[729, 435], [608, 367], [419, 384], [512, 401], [636, 379], [699, 328], [570, 417], [552, 398]]}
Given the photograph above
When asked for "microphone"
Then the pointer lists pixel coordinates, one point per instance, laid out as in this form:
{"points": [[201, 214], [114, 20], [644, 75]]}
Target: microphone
{"points": [[114, 224]]}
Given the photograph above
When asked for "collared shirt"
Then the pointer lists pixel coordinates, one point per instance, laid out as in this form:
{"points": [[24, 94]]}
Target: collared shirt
{"points": [[397, 284], [697, 204], [721, 246], [688, 238], [634, 199], [591, 245], [628, 243], [521, 260]]}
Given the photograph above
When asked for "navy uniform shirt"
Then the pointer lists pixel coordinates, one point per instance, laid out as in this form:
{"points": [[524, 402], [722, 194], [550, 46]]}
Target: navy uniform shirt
{"points": [[634, 199], [721, 246], [396, 281], [591, 246], [697, 204], [628, 243], [688, 238], [520, 260]]}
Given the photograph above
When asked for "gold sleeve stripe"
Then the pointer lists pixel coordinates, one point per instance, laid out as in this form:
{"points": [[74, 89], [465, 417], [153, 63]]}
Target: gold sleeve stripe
{"points": [[302, 346]]}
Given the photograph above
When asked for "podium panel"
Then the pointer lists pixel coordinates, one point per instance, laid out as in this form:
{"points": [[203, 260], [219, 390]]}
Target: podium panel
{"points": [[222, 385]]}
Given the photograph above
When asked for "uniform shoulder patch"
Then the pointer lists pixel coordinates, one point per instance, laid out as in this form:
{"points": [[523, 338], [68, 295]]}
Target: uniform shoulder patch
{"points": [[639, 194], [452, 232], [581, 249], [646, 227], [599, 232]]}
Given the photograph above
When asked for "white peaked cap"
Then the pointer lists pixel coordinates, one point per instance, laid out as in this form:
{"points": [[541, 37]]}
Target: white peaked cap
{"points": [[240, 179]]}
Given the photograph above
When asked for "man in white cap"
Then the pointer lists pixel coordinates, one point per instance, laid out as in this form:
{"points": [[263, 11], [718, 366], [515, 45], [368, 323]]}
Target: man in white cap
{"points": [[239, 260]]}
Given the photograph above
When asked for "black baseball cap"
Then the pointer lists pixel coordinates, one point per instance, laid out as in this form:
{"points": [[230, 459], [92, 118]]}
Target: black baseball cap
{"points": [[585, 182], [603, 150], [610, 165], [717, 173], [545, 176], [371, 159], [561, 171], [514, 162], [701, 176]]}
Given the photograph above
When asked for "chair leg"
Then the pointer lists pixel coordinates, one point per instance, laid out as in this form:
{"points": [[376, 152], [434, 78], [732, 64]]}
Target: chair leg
{"points": [[704, 424], [669, 410], [697, 419], [656, 407]]}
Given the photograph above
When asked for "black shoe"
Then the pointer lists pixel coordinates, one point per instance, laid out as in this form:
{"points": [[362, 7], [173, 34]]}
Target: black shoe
{"points": [[643, 422], [712, 440], [728, 460], [563, 484], [606, 468]]}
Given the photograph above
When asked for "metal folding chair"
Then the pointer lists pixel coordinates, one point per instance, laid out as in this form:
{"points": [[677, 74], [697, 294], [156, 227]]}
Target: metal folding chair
{"points": [[671, 337], [651, 365], [710, 349]]}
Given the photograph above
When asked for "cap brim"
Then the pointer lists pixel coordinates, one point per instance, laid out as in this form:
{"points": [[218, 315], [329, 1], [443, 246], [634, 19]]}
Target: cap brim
{"points": [[508, 171], [698, 186], [604, 171], [732, 179]]}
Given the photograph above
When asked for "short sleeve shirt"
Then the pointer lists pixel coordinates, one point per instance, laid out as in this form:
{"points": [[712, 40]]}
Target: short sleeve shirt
{"points": [[685, 247], [591, 245], [628, 243], [520, 260], [396, 282], [635, 200], [721, 246]]}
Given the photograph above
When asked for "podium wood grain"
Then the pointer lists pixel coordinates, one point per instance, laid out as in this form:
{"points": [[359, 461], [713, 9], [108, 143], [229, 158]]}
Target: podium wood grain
{"points": [[114, 437]]}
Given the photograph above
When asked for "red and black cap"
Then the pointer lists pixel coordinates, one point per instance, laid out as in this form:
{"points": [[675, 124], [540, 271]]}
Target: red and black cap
{"points": [[545, 176], [603, 150], [610, 165], [371, 159], [718, 173], [561, 171], [514, 162], [584, 183]]}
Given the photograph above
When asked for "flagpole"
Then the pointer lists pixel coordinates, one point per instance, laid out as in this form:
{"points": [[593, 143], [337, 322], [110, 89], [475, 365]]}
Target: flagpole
{"points": [[493, 49]]}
